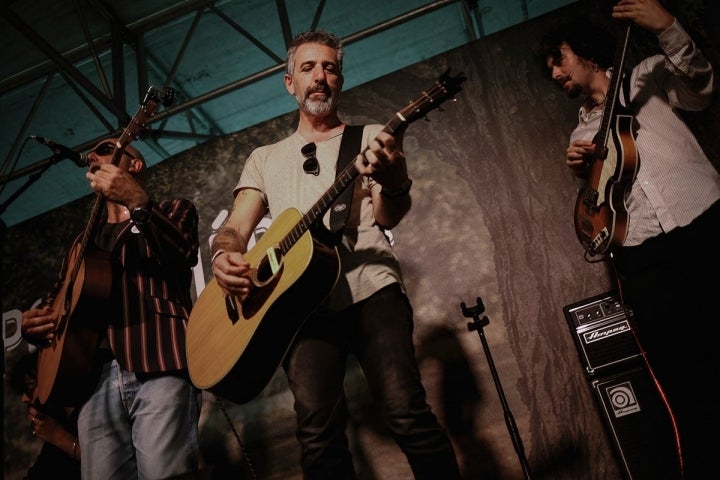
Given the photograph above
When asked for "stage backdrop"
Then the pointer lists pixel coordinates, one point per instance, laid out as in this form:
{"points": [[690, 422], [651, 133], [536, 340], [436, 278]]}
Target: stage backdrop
{"points": [[491, 220]]}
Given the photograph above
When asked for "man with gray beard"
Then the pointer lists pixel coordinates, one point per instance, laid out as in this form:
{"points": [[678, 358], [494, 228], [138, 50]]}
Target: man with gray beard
{"points": [[366, 311]]}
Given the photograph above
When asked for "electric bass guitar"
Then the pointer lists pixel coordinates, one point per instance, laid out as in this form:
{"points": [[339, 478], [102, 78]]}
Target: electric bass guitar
{"points": [[235, 345], [601, 218], [66, 373]]}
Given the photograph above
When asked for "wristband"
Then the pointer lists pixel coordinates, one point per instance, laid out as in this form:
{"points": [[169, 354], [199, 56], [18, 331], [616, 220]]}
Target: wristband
{"points": [[215, 255], [403, 189]]}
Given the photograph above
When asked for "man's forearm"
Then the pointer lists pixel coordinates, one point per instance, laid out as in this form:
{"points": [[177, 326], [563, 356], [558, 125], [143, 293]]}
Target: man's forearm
{"points": [[229, 240]]}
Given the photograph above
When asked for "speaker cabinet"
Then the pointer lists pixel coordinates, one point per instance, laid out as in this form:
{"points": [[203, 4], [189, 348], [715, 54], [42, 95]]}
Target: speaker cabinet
{"points": [[639, 425], [637, 421]]}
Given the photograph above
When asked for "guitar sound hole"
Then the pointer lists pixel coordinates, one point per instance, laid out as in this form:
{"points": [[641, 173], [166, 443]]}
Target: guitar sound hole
{"points": [[268, 266]]}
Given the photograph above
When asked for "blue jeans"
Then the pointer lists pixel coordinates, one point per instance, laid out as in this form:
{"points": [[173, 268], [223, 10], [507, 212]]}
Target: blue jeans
{"points": [[133, 429], [379, 332]]}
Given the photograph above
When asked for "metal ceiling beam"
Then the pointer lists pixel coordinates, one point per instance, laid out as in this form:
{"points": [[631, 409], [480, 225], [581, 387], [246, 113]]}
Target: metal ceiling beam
{"points": [[245, 34], [181, 7], [133, 37], [61, 62], [93, 52], [280, 66], [284, 21], [22, 131]]}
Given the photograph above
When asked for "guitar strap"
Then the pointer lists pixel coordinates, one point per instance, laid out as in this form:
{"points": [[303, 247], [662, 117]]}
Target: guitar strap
{"points": [[340, 209]]}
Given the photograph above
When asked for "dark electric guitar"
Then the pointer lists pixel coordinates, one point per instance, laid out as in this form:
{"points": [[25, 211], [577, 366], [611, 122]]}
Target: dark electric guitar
{"points": [[234, 345], [66, 374], [601, 217]]}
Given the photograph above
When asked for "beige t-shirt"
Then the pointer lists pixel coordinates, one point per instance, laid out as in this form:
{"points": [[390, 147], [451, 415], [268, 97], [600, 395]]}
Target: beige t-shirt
{"points": [[368, 262]]}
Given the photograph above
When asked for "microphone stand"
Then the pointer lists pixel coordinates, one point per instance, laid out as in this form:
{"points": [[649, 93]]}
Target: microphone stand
{"points": [[477, 324], [32, 178]]}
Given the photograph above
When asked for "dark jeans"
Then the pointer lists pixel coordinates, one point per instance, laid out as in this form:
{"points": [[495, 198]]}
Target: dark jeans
{"points": [[379, 332], [671, 282]]}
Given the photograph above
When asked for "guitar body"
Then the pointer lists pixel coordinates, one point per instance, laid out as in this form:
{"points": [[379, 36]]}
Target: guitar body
{"points": [[235, 353], [600, 210], [66, 371]]}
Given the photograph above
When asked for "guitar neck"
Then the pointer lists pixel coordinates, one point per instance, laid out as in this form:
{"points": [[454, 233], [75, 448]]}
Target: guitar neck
{"points": [[443, 89], [342, 181], [99, 204], [137, 124], [87, 233], [614, 88]]}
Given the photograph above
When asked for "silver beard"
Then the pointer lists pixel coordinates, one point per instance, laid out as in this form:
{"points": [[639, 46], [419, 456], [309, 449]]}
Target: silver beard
{"points": [[317, 107]]}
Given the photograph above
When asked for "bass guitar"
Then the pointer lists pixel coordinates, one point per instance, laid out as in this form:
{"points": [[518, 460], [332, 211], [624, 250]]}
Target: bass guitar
{"points": [[601, 217], [234, 345], [66, 374]]}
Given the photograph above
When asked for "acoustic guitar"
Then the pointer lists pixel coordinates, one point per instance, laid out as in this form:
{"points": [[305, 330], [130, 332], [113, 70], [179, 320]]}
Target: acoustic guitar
{"points": [[234, 345], [66, 371], [601, 218]]}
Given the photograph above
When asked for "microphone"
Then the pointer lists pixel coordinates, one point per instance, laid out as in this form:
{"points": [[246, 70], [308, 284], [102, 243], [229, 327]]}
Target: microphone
{"points": [[61, 151]]}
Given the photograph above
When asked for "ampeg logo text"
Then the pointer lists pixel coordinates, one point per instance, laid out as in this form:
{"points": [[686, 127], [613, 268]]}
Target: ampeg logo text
{"points": [[606, 332]]}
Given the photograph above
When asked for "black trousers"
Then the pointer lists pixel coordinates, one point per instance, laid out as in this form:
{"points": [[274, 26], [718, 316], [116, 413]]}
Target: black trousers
{"points": [[379, 332], [672, 284]]}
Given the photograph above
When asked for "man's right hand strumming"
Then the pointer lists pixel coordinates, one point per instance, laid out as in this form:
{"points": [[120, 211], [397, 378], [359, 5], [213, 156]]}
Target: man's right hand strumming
{"points": [[232, 273]]}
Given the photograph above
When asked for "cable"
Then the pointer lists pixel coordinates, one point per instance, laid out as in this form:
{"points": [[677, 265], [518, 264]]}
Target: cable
{"points": [[246, 457]]}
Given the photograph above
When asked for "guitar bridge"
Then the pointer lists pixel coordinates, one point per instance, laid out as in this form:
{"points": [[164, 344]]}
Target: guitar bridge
{"points": [[599, 239]]}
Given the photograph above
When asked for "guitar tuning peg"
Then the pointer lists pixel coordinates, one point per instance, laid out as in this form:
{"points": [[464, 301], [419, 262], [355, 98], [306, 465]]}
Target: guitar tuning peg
{"points": [[168, 96]]}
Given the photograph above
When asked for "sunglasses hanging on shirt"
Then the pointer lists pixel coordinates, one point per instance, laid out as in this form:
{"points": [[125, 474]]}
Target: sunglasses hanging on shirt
{"points": [[311, 165]]}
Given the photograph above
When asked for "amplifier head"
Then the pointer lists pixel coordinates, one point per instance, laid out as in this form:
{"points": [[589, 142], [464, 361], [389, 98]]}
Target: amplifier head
{"points": [[601, 328]]}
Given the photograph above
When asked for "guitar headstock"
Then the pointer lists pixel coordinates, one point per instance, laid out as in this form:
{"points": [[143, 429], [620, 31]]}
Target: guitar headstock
{"points": [[444, 88], [153, 98], [165, 97]]}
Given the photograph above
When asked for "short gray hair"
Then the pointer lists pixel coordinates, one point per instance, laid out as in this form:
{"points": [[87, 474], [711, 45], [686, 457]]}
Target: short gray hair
{"points": [[321, 37]]}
